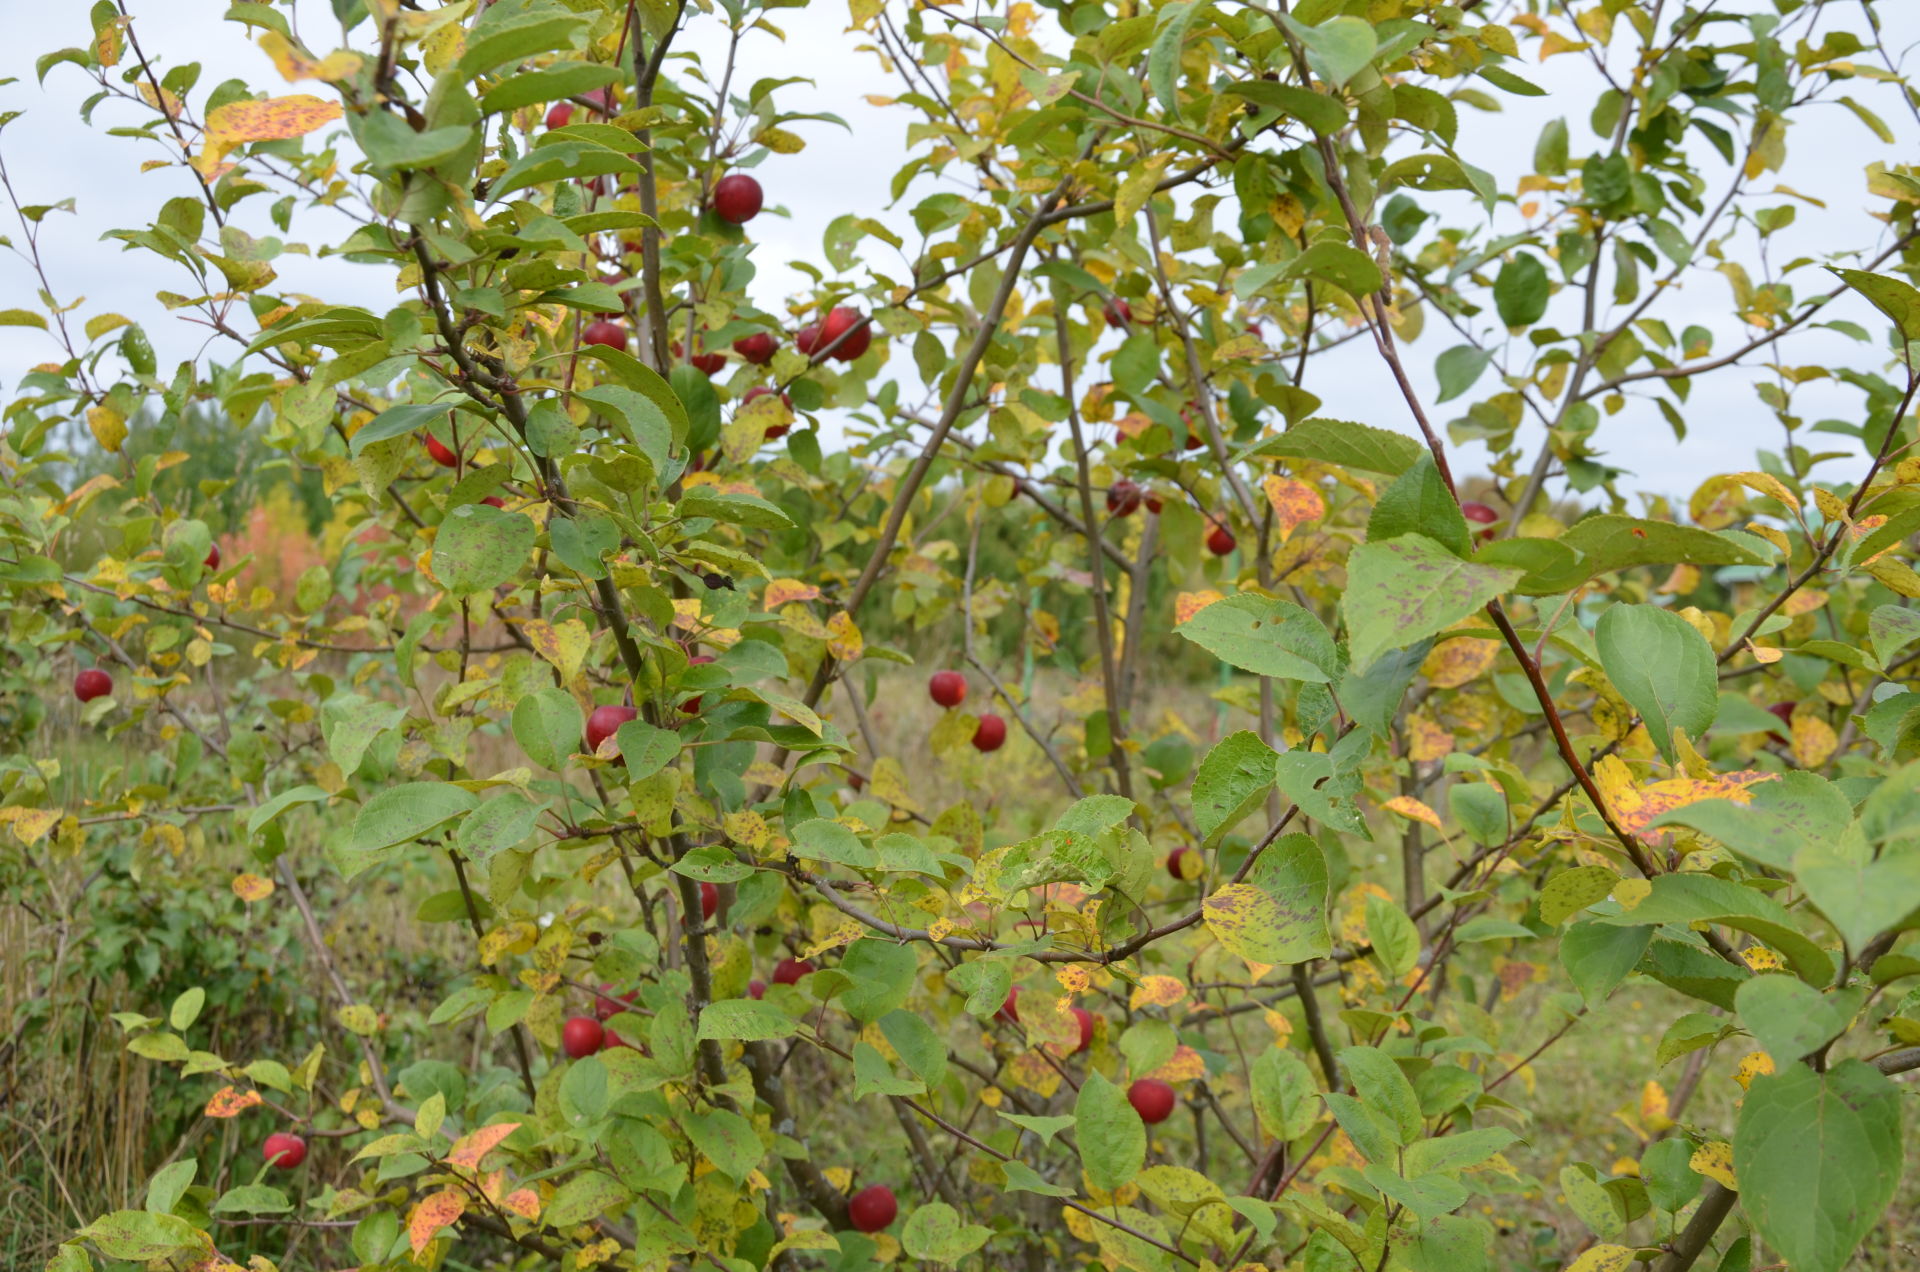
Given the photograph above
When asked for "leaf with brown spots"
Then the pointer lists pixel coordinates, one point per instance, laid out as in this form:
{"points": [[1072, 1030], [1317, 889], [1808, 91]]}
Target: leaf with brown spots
{"points": [[1295, 503], [231, 1102], [433, 1214], [469, 1149]]}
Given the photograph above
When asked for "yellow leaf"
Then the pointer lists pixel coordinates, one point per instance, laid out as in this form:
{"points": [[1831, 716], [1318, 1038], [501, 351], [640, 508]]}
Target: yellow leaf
{"points": [[295, 63], [433, 1214], [1250, 922], [1427, 740], [564, 644], [1137, 189], [1653, 1107], [30, 825], [1186, 1065], [1635, 804], [1295, 502], [231, 1102], [1455, 662], [1603, 1258], [1156, 991], [844, 641], [1715, 1161], [1813, 740], [1241, 347], [888, 783], [252, 887], [109, 428], [1073, 978], [1631, 892], [1187, 604], [1752, 1065], [784, 591], [359, 1019], [1413, 810]]}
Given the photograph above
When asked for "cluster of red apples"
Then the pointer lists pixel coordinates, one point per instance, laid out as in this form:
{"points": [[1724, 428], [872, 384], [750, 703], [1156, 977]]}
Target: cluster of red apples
{"points": [[949, 689]]}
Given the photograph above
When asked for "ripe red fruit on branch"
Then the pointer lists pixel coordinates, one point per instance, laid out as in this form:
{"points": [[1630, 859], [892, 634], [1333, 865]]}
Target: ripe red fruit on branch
{"points": [[494, 501], [560, 115], [604, 723], [1123, 498], [1085, 1019], [709, 899], [213, 558], [737, 198], [990, 734], [442, 454], [1119, 313], [1152, 1099], [581, 1037], [948, 688], [873, 1208], [788, 971], [1481, 513], [605, 332], [692, 705], [92, 683], [758, 391], [1153, 503], [807, 339], [757, 348], [1175, 860], [1221, 541], [1010, 1010], [606, 1005], [284, 1150], [845, 318], [706, 364], [756, 989]]}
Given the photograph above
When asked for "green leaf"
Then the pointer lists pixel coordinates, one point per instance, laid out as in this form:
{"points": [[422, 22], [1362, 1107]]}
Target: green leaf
{"points": [[1790, 1018], [726, 1139], [882, 974], [1409, 588], [646, 748], [169, 1184], [1860, 894], [502, 821], [581, 541], [745, 1020], [252, 1199], [1501, 77], [1395, 939], [1342, 264], [265, 813], [1419, 503], [1891, 629], [1663, 667], [1350, 445], [587, 1195], [403, 813], [517, 37], [1310, 779], [397, 421], [1818, 1157], [1573, 890], [1163, 61], [546, 724], [1683, 899], [1783, 815], [1112, 1138], [647, 382], [1894, 297], [1608, 542], [351, 724], [1592, 1204], [561, 161], [186, 1008], [1383, 1087], [1427, 1198], [935, 1232], [1457, 1152], [390, 143], [1232, 781], [1598, 957], [1254, 924], [1521, 290], [1285, 1096], [1322, 112], [551, 84], [1458, 368], [22, 318], [1337, 49], [822, 840], [479, 547], [916, 1043], [1265, 636]]}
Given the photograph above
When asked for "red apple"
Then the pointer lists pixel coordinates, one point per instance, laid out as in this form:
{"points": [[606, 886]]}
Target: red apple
{"points": [[1153, 503], [757, 348], [1123, 498], [709, 900], [759, 391], [737, 199], [859, 332], [1481, 513], [991, 734], [948, 688], [1221, 541], [606, 1005], [1010, 1010], [284, 1150], [213, 558], [605, 332], [1174, 860], [1119, 313], [807, 338], [788, 971], [92, 683], [706, 364], [494, 501], [442, 454], [581, 1037], [560, 115], [604, 723], [1152, 1099], [692, 705], [1085, 1018], [756, 989], [873, 1208]]}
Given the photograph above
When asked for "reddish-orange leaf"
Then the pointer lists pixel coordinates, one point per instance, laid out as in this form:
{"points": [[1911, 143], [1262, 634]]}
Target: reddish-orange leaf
{"points": [[231, 1102], [433, 1214], [1187, 604], [523, 1202], [471, 1148], [785, 592], [276, 119], [1295, 503]]}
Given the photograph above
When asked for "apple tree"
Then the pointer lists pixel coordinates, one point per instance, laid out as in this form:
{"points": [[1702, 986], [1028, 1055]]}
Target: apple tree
{"points": [[626, 567]]}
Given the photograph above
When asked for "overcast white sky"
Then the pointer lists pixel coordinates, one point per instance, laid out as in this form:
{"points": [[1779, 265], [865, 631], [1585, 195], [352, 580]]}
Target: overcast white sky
{"points": [[50, 155]]}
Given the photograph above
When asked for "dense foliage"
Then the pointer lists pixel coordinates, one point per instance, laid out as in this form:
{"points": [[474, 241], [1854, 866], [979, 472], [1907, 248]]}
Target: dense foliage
{"points": [[610, 571]]}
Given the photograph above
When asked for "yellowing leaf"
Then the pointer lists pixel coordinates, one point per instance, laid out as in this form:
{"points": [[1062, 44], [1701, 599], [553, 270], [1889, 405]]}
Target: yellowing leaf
{"points": [[1635, 804], [1813, 740], [1603, 1258], [1715, 1161], [433, 1214], [1295, 502], [295, 63], [1653, 1107], [109, 428], [359, 1019], [1427, 740], [1413, 810], [1185, 1065], [785, 591], [844, 641], [1752, 1065], [277, 119], [564, 644], [468, 1150], [30, 825], [1631, 892], [1455, 662], [1187, 604], [1156, 991], [231, 1102], [524, 1202]]}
